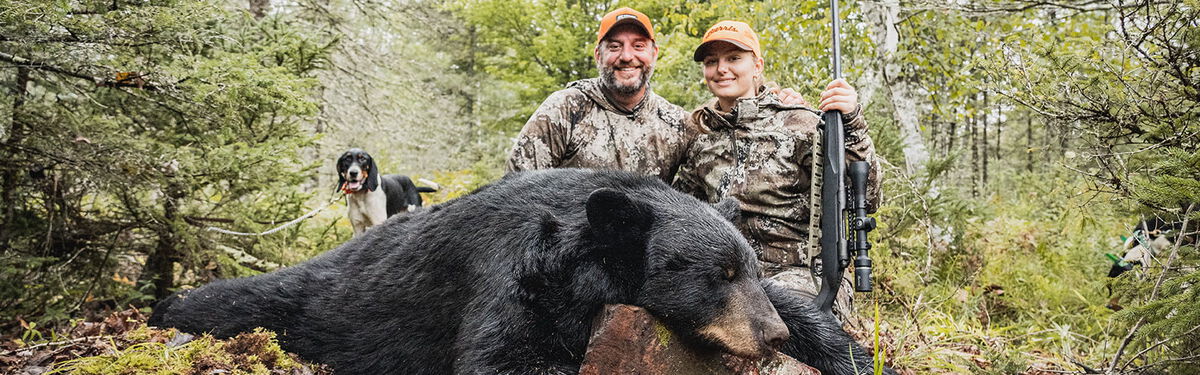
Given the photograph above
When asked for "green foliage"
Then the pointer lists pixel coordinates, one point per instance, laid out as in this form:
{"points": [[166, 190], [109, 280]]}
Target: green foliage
{"points": [[1023, 272], [104, 168], [107, 186], [535, 47], [1125, 81]]}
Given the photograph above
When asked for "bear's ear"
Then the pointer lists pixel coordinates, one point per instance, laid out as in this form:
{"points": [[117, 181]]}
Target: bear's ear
{"points": [[613, 215], [729, 209]]}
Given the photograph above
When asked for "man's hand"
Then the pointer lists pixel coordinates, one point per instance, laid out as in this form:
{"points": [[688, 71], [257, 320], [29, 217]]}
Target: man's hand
{"points": [[790, 97], [840, 96]]}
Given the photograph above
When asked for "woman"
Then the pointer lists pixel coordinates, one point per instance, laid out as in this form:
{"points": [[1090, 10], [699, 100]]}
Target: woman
{"points": [[761, 151]]}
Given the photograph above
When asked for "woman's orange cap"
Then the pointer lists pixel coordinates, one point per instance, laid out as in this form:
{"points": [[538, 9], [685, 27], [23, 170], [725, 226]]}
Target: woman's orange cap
{"points": [[738, 33], [620, 16]]}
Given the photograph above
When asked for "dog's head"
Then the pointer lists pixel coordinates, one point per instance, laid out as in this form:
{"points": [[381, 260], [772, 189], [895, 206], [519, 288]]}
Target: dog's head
{"points": [[356, 171]]}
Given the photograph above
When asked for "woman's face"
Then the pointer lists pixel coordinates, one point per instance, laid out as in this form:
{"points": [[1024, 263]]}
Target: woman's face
{"points": [[730, 71]]}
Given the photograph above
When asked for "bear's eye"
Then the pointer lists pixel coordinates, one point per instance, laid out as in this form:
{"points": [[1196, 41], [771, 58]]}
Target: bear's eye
{"points": [[729, 273]]}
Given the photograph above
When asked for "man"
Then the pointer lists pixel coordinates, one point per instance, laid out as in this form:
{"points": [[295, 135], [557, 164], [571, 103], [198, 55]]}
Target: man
{"points": [[614, 121]]}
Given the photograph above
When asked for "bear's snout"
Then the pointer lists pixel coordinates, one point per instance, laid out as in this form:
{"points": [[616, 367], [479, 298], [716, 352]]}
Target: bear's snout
{"points": [[748, 326], [774, 332]]}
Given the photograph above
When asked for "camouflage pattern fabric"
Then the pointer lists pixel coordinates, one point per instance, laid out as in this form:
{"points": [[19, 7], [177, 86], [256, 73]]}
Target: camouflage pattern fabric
{"points": [[580, 127], [762, 153]]}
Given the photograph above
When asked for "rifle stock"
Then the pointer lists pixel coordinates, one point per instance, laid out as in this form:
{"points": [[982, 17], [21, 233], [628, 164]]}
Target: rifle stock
{"points": [[833, 203]]}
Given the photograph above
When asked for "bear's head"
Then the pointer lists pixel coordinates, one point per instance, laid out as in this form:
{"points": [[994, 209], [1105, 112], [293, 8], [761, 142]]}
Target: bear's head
{"points": [[697, 273]]}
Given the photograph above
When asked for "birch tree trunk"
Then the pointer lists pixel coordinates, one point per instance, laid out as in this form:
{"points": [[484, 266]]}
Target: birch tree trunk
{"points": [[883, 17]]}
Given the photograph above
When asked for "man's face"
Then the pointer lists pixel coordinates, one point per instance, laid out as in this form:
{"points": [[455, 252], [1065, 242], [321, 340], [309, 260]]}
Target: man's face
{"points": [[625, 59]]}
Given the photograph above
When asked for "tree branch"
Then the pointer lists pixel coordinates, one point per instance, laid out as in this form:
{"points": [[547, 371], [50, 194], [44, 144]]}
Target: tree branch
{"points": [[21, 61], [1153, 293], [1025, 5]]}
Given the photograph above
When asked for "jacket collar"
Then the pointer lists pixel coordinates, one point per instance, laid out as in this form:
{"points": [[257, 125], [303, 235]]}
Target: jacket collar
{"points": [[745, 111]]}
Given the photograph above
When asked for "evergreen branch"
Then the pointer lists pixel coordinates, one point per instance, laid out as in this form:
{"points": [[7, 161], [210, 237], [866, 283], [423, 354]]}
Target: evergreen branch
{"points": [[1162, 342], [1038, 109], [76, 39], [1153, 292], [1142, 369], [21, 61], [198, 220]]}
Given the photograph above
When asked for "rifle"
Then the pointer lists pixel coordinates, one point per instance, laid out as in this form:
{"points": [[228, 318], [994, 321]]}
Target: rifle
{"points": [[834, 254]]}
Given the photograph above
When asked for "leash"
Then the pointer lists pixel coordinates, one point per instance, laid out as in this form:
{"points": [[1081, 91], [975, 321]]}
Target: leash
{"points": [[281, 227]]}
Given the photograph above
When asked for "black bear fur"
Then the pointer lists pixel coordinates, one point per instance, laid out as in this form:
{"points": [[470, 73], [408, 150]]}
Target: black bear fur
{"points": [[509, 279]]}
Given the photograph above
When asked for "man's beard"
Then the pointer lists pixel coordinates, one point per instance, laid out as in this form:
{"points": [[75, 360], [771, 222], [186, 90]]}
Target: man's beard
{"points": [[608, 80]]}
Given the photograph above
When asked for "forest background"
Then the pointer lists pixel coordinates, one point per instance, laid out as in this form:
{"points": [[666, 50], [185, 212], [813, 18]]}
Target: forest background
{"points": [[1022, 140]]}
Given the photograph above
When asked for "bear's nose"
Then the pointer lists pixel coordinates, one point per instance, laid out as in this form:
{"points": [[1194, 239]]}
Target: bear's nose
{"points": [[775, 334]]}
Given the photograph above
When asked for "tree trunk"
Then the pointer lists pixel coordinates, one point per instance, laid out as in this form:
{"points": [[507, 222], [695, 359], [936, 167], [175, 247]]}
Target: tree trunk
{"points": [[471, 98], [974, 138], [259, 8], [935, 125], [953, 135], [160, 266], [984, 142], [12, 134], [883, 17], [999, 127], [1029, 143]]}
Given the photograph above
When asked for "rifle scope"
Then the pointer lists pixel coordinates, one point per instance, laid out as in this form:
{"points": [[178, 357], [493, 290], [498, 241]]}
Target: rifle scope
{"points": [[860, 224]]}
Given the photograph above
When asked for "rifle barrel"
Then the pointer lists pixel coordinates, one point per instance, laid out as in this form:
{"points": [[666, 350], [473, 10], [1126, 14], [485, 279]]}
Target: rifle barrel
{"points": [[837, 43]]}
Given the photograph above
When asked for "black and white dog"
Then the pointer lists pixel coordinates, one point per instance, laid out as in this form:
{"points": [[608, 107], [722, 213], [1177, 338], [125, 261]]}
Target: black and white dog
{"points": [[1148, 242], [371, 196], [1148, 239]]}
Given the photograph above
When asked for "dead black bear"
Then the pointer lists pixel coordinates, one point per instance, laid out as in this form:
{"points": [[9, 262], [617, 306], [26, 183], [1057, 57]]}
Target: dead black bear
{"points": [[509, 278]]}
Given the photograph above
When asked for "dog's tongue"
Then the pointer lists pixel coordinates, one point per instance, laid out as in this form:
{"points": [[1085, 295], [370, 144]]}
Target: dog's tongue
{"points": [[353, 185]]}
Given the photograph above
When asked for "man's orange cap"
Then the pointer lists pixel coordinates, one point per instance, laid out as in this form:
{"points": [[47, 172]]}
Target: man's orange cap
{"points": [[620, 16], [738, 33]]}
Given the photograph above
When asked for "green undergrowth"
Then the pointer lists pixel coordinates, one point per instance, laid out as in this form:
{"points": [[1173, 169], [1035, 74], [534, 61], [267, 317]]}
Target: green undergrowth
{"points": [[248, 353], [122, 343], [1011, 282]]}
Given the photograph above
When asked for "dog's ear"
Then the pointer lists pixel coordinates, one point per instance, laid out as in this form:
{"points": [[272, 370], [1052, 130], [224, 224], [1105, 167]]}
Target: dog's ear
{"points": [[373, 176], [614, 216], [729, 208], [337, 168]]}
